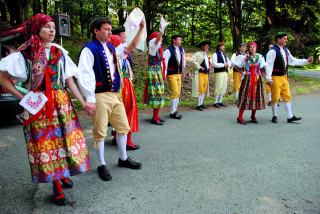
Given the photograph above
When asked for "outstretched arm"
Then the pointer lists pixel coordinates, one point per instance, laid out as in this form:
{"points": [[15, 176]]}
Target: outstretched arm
{"points": [[134, 43]]}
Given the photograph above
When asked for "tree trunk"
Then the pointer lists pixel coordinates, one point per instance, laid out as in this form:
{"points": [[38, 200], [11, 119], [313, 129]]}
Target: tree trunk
{"points": [[45, 6], [147, 13], [120, 13], [270, 13], [17, 10], [235, 14], [220, 22], [3, 11], [107, 8]]}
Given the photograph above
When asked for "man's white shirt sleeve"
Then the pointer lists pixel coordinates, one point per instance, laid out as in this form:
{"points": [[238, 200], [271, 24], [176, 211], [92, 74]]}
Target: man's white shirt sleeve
{"points": [[86, 77]]}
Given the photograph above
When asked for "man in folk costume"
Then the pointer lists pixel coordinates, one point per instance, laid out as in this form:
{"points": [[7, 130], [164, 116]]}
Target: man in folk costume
{"points": [[200, 61], [268, 89], [100, 81], [55, 143], [221, 63], [236, 74], [118, 40], [175, 65], [153, 94], [278, 60]]}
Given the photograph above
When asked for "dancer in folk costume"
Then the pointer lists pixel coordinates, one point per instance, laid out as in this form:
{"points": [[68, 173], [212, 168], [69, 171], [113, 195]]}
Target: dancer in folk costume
{"points": [[55, 142], [251, 96], [237, 75], [175, 59], [200, 61], [128, 94], [100, 81], [278, 60], [221, 64], [154, 88]]}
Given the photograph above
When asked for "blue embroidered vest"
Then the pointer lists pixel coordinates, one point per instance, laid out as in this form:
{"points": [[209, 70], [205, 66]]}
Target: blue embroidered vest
{"points": [[220, 60], [279, 67], [101, 68], [174, 67]]}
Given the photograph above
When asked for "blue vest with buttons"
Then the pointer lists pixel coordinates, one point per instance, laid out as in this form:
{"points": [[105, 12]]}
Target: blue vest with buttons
{"points": [[173, 64], [279, 67], [101, 68], [220, 60]]}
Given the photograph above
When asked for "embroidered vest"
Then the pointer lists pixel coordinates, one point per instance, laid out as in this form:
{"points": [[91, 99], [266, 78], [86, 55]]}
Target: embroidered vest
{"points": [[129, 58], [174, 67], [206, 70], [101, 68], [220, 60], [279, 67]]}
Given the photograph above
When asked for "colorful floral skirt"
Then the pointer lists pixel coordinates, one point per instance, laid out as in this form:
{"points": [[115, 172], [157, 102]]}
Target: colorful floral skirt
{"points": [[154, 96], [246, 101], [130, 104], [63, 152]]}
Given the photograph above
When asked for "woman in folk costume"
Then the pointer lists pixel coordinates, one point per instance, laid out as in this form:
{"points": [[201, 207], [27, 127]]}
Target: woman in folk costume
{"points": [[200, 61], [55, 143], [154, 88], [251, 96], [128, 95]]}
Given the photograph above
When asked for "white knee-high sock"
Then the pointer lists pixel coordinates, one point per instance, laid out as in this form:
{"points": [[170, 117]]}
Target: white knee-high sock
{"points": [[199, 100], [122, 145], [217, 97], [172, 102], [269, 96], [220, 98], [236, 94], [287, 107], [176, 104], [100, 153], [274, 107], [202, 97]]}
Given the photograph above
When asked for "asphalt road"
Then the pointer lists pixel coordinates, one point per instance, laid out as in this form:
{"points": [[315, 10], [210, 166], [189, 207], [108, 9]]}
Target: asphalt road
{"points": [[308, 73], [205, 163]]}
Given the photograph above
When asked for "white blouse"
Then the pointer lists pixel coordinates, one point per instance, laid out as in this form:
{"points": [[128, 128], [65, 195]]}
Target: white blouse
{"points": [[15, 65]]}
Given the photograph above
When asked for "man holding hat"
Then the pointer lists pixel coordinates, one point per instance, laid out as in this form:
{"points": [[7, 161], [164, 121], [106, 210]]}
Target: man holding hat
{"points": [[175, 64], [221, 63], [278, 59], [200, 61], [236, 74]]}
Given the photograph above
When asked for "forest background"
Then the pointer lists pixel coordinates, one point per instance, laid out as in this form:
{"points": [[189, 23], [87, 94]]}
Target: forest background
{"points": [[231, 21]]}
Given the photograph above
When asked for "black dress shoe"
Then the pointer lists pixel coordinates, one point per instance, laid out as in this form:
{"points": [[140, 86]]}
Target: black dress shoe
{"points": [[269, 103], [104, 173], [204, 107], [133, 147], [175, 115], [67, 184], [294, 118], [242, 122], [274, 119], [216, 105], [114, 141], [129, 164], [199, 108], [161, 120], [222, 104], [253, 119], [155, 122], [60, 201]]}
